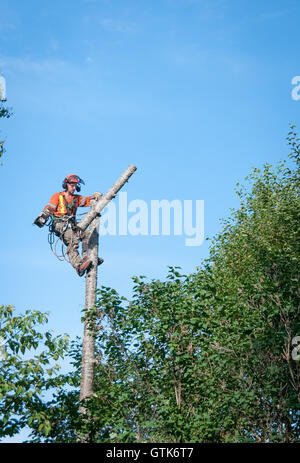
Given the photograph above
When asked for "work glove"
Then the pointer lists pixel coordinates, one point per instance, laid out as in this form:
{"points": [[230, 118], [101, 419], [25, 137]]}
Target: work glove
{"points": [[96, 196]]}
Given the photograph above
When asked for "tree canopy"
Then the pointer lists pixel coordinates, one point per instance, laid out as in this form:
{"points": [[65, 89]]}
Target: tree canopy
{"points": [[205, 357]]}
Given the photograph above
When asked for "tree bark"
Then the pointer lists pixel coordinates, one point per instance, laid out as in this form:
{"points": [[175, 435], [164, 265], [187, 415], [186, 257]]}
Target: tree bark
{"points": [[109, 195], [87, 368]]}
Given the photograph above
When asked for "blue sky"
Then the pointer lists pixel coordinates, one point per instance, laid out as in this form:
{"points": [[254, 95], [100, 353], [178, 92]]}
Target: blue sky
{"points": [[193, 92]]}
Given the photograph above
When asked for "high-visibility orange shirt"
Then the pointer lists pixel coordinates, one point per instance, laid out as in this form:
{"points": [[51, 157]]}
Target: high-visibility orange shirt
{"points": [[59, 204]]}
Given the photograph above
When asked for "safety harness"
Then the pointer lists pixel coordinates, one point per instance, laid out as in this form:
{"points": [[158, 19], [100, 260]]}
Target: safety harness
{"points": [[67, 211]]}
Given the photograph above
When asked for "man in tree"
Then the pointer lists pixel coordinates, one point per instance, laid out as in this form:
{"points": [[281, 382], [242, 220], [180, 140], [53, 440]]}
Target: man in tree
{"points": [[62, 207]]}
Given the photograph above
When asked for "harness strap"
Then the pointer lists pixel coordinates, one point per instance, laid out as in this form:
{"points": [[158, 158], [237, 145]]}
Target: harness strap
{"points": [[65, 208], [62, 205]]}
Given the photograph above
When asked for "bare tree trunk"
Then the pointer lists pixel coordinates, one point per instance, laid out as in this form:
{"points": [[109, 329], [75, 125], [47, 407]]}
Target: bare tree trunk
{"points": [[87, 369], [92, 218], [88, 347]]}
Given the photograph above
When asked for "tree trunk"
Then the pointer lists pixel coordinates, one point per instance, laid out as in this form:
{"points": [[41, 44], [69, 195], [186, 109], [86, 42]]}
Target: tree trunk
{"points": [[88, 347], [87, 369], [92, 218], [109, 195]]}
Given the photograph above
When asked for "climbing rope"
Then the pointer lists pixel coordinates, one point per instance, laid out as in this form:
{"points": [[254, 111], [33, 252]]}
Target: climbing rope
{"points": [[52, 235], [53, 242]]}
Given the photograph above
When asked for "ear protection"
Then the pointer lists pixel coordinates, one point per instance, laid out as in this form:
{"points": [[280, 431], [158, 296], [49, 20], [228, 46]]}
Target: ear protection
{"points": [[73, 179]]}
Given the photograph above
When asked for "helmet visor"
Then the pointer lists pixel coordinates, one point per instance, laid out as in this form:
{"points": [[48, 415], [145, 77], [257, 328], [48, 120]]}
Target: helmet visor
{"points": [[75, 179]]}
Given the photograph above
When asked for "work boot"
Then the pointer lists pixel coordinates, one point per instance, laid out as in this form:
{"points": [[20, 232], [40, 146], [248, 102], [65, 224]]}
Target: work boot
{"points": [[100, 260], [84, 266]]}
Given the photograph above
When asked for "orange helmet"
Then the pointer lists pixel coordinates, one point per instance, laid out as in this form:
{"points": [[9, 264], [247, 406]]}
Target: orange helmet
{"points": [[72, 178]]}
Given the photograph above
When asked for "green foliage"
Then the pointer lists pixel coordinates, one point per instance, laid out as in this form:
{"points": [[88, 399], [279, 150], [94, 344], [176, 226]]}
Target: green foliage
{"points": [[27, 370], [207, 357], [153, 360], [255, 267]]}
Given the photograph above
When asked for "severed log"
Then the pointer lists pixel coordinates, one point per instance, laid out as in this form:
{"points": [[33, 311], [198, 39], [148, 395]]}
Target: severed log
{"points": [[105, 199]]}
